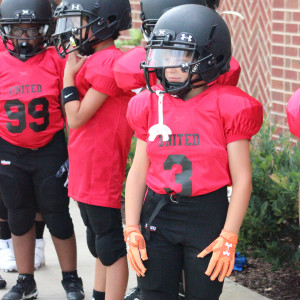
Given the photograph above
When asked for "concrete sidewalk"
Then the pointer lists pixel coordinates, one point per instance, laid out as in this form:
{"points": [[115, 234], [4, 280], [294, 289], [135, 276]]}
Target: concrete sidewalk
{"points": [[48, 278]]}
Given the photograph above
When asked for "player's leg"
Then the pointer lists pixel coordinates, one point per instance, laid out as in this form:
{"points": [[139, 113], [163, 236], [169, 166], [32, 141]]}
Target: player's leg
{"points": [[106, 242], [164, 250], [39, 253], [19, 199], [100, 270], [163, 269], [53, 203], [7, 256], [206, 220]]}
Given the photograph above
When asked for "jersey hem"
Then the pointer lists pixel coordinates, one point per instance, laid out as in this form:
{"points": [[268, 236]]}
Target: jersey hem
{"points": [[96, 203]]}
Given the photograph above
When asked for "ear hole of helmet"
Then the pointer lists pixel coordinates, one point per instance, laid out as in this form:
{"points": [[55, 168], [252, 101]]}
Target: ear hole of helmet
{"points": [[219, 59]]}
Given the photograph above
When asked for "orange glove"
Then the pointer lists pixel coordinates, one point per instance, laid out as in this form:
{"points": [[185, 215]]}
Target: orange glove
{"points": [[222, 261], [136, 249]]}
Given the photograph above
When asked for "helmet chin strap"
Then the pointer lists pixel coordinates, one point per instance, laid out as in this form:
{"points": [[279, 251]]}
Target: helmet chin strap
{"points": [[24, 48], [160, 128]]}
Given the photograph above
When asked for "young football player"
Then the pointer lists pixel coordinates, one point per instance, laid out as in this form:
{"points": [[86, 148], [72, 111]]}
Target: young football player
{"points": [[32, 143], [293, 117], [192, 142], [99, 138], [7, 257], [130, 76]]}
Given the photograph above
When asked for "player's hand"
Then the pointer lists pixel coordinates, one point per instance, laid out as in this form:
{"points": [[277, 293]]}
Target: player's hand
{"points": [[74, 63], [136, 249], [222, 261], [64, 168]]}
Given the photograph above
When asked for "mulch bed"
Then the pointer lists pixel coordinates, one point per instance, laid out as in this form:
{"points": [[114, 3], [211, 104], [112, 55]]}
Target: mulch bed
{"points": [[257, 275]]}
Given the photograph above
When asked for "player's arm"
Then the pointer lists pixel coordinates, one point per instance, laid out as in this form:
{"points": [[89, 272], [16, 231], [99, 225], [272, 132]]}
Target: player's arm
{"points": [[79, 112], [134, 195], [240, 170], [136, 184]]}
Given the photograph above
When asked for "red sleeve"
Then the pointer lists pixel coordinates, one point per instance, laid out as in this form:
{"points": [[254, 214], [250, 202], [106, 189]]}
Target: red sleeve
{"points": [[100, 76], [137, 114], [242, 115], [293, 114], [127, 71], [2, 47], [232, 76]]}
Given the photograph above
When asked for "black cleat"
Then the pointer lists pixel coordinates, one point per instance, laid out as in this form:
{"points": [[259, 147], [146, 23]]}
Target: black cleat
{"points": [[2, 283], [134, 295], [24, 289], [74, 288]]}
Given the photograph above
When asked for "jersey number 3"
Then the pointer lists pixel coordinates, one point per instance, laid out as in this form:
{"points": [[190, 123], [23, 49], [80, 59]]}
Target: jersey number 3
{"points": [[37, 108], [184, 178]]}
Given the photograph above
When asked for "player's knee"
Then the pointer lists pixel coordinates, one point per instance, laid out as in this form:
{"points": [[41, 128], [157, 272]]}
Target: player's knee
{"points": [[109, 248], [60, 225], [21, 220], [91, 239]]}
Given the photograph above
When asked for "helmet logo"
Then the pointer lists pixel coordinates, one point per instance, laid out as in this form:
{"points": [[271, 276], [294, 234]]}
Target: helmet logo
{"points": [[185, 37], [162, 33], [25, 12], [76, 7]]}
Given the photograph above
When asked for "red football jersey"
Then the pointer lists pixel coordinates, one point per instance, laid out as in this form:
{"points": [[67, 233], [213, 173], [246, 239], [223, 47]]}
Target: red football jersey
{"points": [[194, 161], [127, 71], [129, 75], [232, 76], [2, 47], [98, 150], [293, 114], [30, 112]]}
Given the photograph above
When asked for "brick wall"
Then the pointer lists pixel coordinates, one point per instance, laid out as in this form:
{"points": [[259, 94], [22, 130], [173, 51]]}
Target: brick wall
{"points": [[285, 64]]}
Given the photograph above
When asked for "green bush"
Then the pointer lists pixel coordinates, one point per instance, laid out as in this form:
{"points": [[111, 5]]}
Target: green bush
{"points": [[270, 229], [136, 37]]}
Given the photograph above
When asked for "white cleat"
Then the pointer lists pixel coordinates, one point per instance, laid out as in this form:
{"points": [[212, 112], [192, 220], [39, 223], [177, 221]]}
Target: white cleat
{"points": [[7, 256]]}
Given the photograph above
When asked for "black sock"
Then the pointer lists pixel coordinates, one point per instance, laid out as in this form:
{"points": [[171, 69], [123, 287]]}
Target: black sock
{"points": [[39, 229], [28, 276], [5, 233], [68, 275], [98, 295]]}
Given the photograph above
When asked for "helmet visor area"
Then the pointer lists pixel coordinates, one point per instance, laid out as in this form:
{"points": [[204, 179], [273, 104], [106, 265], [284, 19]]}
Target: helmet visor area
{"points": [[162, 58], [68, 24]]}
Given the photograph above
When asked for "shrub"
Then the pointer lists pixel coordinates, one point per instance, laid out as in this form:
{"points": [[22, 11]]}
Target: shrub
{"points": [[270, 229], [135, 39]]}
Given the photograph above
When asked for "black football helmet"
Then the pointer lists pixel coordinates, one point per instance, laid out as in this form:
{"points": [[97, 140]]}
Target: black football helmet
{"points": [[14, 12], [152, 10], [104, 19], [192, 37]]}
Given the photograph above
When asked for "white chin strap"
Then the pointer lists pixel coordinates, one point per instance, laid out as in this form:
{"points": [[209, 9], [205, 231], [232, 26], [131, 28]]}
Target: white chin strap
{"points": [[231, 12], [160, 128]]}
